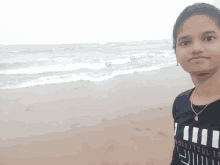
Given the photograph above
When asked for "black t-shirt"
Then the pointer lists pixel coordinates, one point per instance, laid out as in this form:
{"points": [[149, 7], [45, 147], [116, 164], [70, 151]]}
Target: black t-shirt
{"points": [[196, 142]]}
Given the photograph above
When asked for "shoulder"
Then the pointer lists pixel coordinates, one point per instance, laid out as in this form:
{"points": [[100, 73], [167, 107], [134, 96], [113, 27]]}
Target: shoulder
{"points": [[181, 101], [184, 94]]}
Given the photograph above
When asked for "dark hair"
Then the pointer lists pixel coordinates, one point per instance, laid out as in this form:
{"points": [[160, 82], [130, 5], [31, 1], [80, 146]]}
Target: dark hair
{"points": [[195, 9]]}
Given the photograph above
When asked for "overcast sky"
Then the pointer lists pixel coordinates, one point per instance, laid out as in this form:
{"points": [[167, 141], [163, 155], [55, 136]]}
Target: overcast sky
{"points": [[88, 21]]}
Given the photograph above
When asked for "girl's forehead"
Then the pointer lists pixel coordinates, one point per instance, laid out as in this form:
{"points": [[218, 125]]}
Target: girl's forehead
{"points": [[197, 24]]}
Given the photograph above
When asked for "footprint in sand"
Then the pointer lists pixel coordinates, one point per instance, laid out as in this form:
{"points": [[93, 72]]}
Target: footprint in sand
{"points": [[138, 129], [110, 148], [148, 129], [161, 134]]}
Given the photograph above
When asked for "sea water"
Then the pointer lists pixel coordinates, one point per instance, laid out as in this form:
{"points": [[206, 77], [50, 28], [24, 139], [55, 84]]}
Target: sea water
{"points": [[31, 65]]}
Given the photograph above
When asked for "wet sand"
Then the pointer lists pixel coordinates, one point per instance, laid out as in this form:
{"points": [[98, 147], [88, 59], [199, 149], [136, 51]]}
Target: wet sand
{"points": [[123, 121]]}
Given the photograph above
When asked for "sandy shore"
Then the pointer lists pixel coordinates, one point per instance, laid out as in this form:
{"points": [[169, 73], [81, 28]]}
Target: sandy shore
{"points": [[124, 121]]}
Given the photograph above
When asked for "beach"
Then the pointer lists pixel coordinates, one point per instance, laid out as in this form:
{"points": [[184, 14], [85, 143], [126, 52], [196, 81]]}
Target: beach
{"points": [[126, 120]]}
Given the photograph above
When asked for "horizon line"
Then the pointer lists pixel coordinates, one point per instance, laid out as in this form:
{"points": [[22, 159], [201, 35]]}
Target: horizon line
{"points": [[92, 43]]}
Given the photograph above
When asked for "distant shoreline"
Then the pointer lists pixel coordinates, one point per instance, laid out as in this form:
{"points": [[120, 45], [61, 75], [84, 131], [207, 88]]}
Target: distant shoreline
{"points": [[92, 43]]}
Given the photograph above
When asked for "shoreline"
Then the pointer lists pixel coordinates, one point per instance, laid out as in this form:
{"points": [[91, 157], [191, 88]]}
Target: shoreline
{"points": [[50, 120]]}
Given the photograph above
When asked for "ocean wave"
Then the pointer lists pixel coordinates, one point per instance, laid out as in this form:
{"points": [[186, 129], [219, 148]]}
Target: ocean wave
{"points": [[82, 77], [140, 56], [46, 65], [32, 51], [54, 68], [6, 65], [129, 59], [118, 61]]}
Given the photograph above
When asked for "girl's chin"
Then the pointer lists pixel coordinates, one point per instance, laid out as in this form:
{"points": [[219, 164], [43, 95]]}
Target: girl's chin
{"points": [[202, 71]]}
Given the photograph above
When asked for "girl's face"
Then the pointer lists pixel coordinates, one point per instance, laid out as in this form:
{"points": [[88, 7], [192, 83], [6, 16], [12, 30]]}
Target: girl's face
{"points": [[198, 37]]}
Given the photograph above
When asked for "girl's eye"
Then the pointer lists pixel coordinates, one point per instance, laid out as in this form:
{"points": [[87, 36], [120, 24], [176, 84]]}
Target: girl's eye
{"points": [[209, 38], [184, 43]]}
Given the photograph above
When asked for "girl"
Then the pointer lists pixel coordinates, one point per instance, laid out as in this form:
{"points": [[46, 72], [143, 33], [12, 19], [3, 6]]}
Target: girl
{"points": [[196, 112]]}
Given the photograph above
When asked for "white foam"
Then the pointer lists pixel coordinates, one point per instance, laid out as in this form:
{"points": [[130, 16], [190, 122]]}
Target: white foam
{"points": [[119, 61], [54, 68], [76, 77]]}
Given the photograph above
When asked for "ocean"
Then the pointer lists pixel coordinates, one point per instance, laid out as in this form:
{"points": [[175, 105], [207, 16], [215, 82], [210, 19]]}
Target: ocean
{"points": [[32, 65]]}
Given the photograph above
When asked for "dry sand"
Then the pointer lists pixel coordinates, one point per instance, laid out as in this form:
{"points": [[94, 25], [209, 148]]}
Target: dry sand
{"points": [[124, 121]]}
